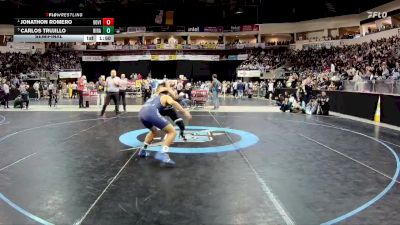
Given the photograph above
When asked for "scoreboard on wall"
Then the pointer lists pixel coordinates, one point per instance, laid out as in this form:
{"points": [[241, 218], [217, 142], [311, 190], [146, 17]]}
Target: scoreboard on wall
{"points": [[64, 27]]}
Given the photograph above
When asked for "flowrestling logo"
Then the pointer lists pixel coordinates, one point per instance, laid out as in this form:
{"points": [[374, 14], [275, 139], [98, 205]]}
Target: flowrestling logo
{"points": [[380, 15]]}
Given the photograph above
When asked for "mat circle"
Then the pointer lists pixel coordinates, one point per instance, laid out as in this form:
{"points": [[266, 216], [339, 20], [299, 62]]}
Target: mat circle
{"points": [[247, 139]]}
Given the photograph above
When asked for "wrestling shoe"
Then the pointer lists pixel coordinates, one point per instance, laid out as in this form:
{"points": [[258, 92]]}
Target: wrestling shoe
{"points": [[143, 153], [181, 134], [164, 159]]}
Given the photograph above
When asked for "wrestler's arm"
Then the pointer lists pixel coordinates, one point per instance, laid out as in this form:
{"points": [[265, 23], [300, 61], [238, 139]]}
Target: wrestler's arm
{"points": [[167, 100]]}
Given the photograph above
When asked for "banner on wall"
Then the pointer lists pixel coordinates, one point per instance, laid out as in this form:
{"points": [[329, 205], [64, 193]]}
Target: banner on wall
{"points": [[163, 57], [204, 57], [215, 29], [243, 28], [198, 57], [136, 29], [69, 74], [181, 57], [242, 57], [232, 29], [122, 58], [92, 58], [218, 29], [144, 57], [127, 58], [252, 27], [248, 73], [193, 29], [155, 57], [106, 47], [232, 57]]}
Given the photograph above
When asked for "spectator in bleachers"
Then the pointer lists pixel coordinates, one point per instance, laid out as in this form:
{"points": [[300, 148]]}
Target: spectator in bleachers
{"points": [[376, 60]]}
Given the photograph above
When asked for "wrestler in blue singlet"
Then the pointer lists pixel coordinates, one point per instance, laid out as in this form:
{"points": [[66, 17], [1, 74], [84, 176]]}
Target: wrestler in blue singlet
{"points": [[150, 115]]}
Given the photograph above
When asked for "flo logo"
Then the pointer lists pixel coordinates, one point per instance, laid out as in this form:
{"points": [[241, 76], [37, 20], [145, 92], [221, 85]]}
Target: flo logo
{"points": [[196, 135], [193, 136], [380, 15]]}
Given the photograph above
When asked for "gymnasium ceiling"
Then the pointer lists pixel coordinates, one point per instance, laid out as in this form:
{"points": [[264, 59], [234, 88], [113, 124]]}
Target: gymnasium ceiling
{"points": [[190, 12]]}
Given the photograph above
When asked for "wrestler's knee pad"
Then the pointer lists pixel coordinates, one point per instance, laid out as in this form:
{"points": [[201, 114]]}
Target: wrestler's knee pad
{"points": [[179, 122]]}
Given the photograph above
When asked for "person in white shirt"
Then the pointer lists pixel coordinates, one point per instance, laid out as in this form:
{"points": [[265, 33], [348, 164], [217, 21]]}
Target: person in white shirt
{"points": [[234, 86], [24, 94], [100, 90], [224, 88], [36, 88], [270, 89], [123, 84], [6, 89], [52, 93], [81, 88], [74, 90], [184, 99], [396, 74], [112, 91], [179, 86]]}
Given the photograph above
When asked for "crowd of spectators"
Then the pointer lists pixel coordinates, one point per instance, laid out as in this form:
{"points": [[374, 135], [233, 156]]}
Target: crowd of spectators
{"points": [[264, 60], [17, 68], [327, 68], [318, 68], [12, 64], [376, 60]]}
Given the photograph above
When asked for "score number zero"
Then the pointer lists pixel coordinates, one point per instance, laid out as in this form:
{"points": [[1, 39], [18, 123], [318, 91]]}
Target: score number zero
{"points": [[103, 30], [108, 25], [104, 22]]}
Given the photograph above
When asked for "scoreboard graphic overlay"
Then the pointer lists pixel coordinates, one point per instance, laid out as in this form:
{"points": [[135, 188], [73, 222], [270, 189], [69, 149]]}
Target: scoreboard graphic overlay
{"points": [[64, 27]]}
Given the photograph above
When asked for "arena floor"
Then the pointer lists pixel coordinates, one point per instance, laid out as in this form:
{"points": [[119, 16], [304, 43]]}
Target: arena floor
{"points": [[261, 167]]}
